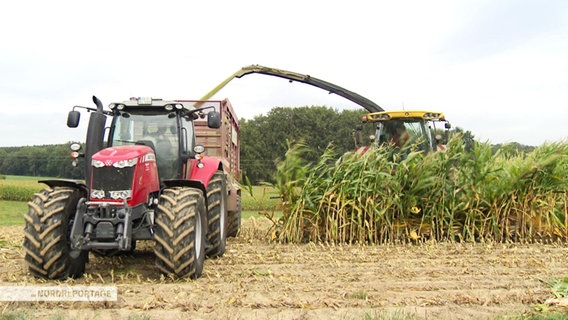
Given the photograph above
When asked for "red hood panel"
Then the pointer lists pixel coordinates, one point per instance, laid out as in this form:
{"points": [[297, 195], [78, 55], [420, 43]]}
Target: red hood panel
{"points": [[121, 153]]}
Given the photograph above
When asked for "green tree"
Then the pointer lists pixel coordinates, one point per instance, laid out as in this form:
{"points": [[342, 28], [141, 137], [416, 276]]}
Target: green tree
{"points": [[264, 138]]}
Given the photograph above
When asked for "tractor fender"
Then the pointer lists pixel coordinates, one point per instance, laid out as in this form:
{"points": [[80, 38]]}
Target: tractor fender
{"points": [[75, 184], [199, 177], [186, 183], [204, 174]]}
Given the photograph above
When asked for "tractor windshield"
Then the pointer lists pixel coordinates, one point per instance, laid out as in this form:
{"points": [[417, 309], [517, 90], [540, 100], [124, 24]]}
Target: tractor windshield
{"points": [[157, 130]]}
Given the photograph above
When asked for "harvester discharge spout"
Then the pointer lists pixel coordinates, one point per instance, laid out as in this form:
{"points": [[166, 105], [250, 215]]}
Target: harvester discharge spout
{"points": [[303, 78]]}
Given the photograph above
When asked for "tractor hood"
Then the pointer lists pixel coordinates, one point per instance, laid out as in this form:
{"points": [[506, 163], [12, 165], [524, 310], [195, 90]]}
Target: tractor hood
{"points": [[124, 173], [118, 156]]}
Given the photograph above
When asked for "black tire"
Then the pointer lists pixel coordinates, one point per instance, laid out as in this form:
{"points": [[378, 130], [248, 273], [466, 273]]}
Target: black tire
{"points": [[47, 231], [217, 215], [180, 232], [234, 219]]}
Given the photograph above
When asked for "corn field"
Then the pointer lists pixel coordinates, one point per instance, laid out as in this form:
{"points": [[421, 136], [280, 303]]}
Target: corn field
{"points": [[389, 196]]}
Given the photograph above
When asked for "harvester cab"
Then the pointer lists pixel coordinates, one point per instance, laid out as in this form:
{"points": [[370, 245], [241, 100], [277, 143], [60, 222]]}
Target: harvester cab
{"points": [[426, 130], [145, 179]]}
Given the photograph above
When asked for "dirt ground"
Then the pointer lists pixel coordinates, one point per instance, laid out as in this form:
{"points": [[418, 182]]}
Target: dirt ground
{"points": [[257, 279]]}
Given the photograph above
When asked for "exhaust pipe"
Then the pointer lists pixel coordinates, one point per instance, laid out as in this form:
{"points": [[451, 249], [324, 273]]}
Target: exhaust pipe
{"points": [[95, 137], [98, 103]]}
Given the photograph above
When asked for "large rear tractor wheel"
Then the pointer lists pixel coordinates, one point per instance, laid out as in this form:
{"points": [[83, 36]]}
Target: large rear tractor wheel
{"points": [[180, 232], [47, 235], [217, 215], [234, 219]]}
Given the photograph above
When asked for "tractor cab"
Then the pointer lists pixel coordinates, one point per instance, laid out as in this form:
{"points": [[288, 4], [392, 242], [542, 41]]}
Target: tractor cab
{"points": [[421, 129], [166, 128]]}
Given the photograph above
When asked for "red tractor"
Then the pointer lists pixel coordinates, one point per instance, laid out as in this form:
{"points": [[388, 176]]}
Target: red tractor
{"points": [[145, 179]]}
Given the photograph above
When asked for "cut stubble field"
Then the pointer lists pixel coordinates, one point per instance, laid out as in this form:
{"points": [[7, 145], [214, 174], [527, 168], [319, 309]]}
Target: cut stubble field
{"points": [[259, 279]]}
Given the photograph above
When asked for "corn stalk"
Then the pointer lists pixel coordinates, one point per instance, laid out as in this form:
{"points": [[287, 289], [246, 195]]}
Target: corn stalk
{"points": [[387, 196]]}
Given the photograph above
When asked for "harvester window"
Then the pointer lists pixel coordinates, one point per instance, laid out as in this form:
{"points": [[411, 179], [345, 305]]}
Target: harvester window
{"points": [[394, 132], [418, 135], [403, 133]]}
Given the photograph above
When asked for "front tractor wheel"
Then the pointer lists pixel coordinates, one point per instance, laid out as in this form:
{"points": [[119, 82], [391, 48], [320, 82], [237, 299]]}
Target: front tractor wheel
{"points": [[47, 235], [180, 232], [217, 215]]}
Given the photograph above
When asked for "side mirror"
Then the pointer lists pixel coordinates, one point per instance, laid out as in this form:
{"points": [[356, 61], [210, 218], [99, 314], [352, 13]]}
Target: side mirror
{"points": [[73, 119], [448, 126], [214, 119]]}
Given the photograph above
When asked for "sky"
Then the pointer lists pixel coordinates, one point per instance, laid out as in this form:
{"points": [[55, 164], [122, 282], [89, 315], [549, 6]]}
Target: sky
{"points": [[496, 68]]}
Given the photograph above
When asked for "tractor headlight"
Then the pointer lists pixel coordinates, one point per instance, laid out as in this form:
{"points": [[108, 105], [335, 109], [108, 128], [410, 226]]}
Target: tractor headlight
{"points": [[126, 163], [97, 163], [431, 115], [378, 116], [120, 194], [97, 194], [75, 147]]}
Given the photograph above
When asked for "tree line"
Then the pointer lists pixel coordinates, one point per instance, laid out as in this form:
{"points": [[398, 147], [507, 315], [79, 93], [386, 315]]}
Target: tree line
{"points": [[39, 161], [264, 140]]}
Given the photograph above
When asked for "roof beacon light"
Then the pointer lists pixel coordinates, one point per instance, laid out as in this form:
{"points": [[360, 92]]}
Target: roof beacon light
{"points": [[144, 101]]}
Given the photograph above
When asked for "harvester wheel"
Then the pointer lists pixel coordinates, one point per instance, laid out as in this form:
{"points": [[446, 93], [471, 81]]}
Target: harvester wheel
{"points": [[234, 219], [217, 215], [180, 232], [47, 235]]}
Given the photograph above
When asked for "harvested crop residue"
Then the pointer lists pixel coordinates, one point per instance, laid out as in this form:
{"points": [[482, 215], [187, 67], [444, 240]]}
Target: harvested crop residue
{"points": [[264, 280]]}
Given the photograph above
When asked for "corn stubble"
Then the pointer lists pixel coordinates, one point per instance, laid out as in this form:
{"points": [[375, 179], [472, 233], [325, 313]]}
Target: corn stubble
{"points": [[389, 196]]}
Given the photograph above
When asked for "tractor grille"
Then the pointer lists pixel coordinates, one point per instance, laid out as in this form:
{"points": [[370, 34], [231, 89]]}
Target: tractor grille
{"points": [[112, 179]]}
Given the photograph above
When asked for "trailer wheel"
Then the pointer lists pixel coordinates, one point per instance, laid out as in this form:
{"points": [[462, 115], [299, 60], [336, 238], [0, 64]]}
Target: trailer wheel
{"points": [[180, 232], [217, 215], [47, 235], [234, 219]]}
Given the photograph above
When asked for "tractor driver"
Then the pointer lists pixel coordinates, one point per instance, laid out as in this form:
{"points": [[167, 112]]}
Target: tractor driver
{"points": [[161, 141]]}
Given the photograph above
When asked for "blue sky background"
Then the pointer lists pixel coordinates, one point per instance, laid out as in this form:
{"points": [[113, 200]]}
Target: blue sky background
{"points": [[496, 68]]}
